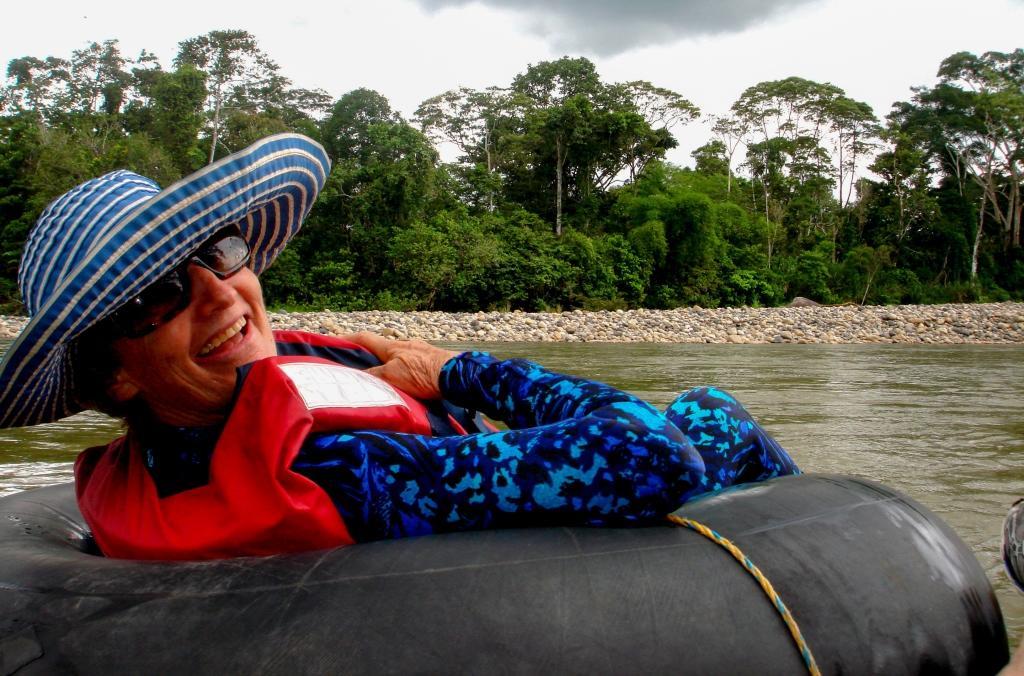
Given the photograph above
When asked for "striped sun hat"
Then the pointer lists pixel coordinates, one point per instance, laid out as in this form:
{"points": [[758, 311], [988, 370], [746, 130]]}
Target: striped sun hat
{"points": [[100, 244]]}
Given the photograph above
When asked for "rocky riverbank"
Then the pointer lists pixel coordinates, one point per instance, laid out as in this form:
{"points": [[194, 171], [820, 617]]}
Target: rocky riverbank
{"points": [[941, 324]]}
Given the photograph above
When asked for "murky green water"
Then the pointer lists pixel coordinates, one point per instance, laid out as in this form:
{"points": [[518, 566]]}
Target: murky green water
{"points": [[941, 423]]}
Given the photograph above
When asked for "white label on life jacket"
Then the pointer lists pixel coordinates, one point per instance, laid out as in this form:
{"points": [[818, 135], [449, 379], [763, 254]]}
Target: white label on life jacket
{"points": [[329, 385]]}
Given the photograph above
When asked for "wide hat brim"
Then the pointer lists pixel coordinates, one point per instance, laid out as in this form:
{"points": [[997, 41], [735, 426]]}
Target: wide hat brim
{"points": [[266, 189]]}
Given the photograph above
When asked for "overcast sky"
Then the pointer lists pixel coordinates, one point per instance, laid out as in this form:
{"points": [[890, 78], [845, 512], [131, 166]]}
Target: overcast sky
{"points": [[707, 50]]}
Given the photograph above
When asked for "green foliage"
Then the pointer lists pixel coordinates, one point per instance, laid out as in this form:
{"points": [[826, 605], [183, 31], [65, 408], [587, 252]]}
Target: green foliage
{"points": [[346, 131], [650, 245], [242, 128], [711, 158], [629, 271], [754, 288], [592, 274], [528, 274], [560, 197], [810, 275], [173, 116], [445, 263], [859, 272]]}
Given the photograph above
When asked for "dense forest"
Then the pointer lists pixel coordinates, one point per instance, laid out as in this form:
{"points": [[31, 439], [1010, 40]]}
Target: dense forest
{"points": [[560, 196]]}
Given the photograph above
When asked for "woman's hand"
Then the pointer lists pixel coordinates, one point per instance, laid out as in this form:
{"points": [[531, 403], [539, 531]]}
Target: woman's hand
{"points": [[412, 366]]}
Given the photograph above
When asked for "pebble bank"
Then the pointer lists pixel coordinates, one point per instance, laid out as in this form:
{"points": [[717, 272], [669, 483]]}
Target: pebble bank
{"points": [[940, 324]]}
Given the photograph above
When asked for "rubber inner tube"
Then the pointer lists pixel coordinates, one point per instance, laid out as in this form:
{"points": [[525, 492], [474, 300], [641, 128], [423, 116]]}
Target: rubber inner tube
{"points": [[877, 583]]}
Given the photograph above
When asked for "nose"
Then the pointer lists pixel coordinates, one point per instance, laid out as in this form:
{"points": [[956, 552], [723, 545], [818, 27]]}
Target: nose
{"points": [[210, 293]]}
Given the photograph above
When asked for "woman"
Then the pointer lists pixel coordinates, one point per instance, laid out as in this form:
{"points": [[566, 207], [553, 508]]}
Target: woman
{"points": [[146, 304]]}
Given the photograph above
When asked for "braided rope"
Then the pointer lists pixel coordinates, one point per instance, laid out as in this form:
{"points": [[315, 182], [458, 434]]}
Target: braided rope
{"points": [[787, 617]]}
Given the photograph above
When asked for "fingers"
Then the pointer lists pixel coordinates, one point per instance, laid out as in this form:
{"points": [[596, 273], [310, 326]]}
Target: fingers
{"points": [[378, 345], [377, 371], [385, 349], [412, 366], [375, 343]]}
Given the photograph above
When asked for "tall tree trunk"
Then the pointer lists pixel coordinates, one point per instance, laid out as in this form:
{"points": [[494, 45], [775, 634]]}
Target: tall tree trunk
{"points": [[214, 137], [1016, 223], [1016, 209], [898, 183], [841, 175], [559, 163], [867, 287], [489, 152], [940, 276], [764, 185], [977, 241]]}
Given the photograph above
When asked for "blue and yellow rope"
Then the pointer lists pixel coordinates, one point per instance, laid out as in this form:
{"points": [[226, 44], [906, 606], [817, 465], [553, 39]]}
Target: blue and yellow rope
{"points": [[787, 617]]}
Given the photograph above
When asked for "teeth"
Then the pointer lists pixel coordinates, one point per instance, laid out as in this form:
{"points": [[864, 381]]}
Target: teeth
{"points": [[224, 335]]}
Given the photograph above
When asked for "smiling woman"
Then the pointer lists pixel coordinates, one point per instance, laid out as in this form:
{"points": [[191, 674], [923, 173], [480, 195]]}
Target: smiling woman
{"points": [[241, 441], [114, 359]]}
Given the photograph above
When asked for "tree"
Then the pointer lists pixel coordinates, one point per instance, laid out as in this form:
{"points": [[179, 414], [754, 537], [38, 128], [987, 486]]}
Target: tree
{"points": [[556, 97], [791, 123], [730, 131], [550, 83], [171, 113], [767, 161], [242, 128], [383, 185], [977, 110], [469, 119], [556, 140], [661, 110], [448, 259], [583, 133], [854, 127], [19, 144], [31, 84], [558, 128], [99, 79], [712, 158], [346, 131], [906, 181], [94, 81], [236, 69], [862, 266]]}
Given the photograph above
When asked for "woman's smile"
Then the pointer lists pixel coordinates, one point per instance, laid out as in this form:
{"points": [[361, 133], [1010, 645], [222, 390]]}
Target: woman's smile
{"points": [[226, 339]]}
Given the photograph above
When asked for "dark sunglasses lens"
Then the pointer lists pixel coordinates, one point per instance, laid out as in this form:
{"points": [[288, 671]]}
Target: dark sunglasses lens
{"points": [[225, 255], [157, 302], [161, 301]]}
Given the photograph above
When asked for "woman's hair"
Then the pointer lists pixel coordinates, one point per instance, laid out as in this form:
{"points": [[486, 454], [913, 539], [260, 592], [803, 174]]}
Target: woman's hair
{"points": [[94, 363]]}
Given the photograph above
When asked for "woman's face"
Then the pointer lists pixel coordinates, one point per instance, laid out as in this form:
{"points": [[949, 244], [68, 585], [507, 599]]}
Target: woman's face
{"points": [[185, 370]]}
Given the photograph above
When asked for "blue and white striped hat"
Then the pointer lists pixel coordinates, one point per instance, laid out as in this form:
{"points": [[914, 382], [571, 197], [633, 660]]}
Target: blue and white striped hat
{"points": [[100, 244]]}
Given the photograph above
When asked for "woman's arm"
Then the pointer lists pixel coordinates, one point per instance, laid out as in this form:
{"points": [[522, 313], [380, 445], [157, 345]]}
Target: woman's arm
{"points": [[583, 453], [523, 394]]}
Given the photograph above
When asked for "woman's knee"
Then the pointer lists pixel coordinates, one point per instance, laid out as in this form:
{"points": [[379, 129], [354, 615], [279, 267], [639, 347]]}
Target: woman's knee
{"points": [[704, 398]]}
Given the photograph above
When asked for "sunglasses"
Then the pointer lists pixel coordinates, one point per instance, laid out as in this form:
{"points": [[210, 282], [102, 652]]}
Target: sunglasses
{"points": [[224, 254]]}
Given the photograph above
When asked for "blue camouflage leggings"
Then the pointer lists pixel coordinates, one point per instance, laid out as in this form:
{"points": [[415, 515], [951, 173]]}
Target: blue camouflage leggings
{"points": [[734, 447], [385, 486]]}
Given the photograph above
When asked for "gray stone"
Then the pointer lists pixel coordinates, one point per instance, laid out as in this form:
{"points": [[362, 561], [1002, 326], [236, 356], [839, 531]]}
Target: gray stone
{"points": [[800, 301]]}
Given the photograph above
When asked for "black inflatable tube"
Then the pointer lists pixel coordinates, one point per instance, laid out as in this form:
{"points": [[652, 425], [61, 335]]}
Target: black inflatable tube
{"points": [[877, 584]]}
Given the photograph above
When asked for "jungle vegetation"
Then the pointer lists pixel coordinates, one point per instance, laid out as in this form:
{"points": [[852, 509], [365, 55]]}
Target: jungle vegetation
{"points": [[560, 196]]}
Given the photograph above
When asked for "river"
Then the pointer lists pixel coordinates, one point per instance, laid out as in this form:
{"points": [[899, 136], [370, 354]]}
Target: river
{"points": [[941, 423]]}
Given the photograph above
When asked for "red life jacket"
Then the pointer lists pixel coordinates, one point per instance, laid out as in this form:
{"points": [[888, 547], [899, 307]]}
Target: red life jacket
{"points": [[254, 504]]}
